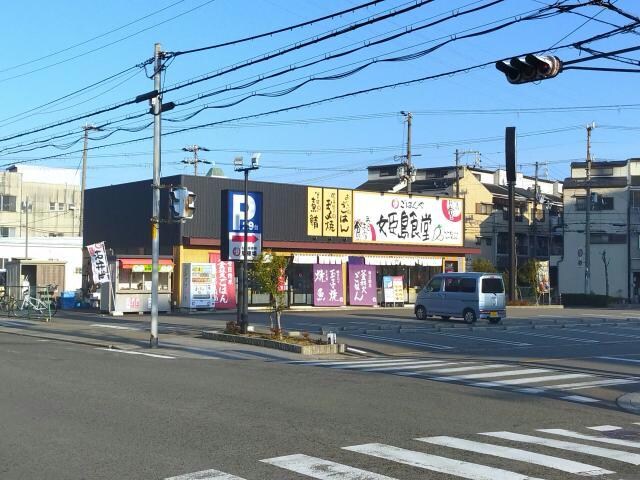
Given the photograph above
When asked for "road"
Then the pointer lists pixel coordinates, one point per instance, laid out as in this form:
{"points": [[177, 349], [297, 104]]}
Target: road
{"points": [[79, 412]]}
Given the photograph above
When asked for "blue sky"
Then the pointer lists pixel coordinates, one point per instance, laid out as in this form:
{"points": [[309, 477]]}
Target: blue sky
{"points": [[328, 144]]}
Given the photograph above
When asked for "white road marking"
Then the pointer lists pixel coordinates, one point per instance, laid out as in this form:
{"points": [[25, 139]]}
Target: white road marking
{"points": [[504, 373], [625, 335], [465, 369], [594, 384], [517, 454], [450, 466], [481, 339], [580, 398], [115, 327], [406, 342], [555, 337], [605, 428], [352, 362], [620, 359], [545, 378], [206, 475], [592, 438], [322, 469], [619, 455], [415, 366], [382, 364], [351, 349], [530, 390], [133, 352]]}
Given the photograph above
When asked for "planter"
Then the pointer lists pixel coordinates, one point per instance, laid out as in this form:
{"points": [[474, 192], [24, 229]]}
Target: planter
{"points": [[268, 343]]}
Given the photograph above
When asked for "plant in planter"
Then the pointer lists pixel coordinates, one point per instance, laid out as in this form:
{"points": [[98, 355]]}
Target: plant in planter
{"points": [[268, 271]]}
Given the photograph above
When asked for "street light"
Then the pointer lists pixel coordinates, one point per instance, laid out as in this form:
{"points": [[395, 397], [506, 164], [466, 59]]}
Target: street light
{"points": [[238, 165]]}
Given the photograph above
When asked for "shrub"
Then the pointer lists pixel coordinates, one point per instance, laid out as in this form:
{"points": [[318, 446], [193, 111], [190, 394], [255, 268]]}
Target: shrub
{"points": [[585, 300], [232, 328]]}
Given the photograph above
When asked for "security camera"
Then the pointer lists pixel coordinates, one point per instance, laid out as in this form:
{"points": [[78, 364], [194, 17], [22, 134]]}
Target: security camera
{"points": [[255, 159]]}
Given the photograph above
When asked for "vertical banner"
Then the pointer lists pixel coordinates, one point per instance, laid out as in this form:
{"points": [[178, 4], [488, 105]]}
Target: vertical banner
{"points": [[345, 213], [98, 255], [224, 291], [314, 212], [327, 286], [362, 285], [329, 212]]}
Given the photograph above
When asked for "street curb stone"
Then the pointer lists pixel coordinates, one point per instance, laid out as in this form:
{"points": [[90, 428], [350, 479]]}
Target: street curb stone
{"points": [[630, 402], [288, 347]]}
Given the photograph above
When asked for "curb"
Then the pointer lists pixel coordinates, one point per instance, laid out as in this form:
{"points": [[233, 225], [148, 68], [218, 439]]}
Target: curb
{"points": [[287, 347], [630, 402]]}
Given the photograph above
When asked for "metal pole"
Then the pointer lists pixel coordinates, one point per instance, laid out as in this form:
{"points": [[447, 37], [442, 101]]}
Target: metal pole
{"points": [[587, 230], [513, 268], [155, 225], [84, 179], [244, 319], [26, 243], [409, 116], [457, 174]]}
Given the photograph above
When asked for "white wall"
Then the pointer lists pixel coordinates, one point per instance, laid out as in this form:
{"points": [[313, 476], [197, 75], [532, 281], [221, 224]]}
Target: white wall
{"points": [[62, 249]]}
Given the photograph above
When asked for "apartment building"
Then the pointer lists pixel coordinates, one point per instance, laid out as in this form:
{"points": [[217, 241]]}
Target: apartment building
{"points": [[486, 214], [614, 230], [37, 206]]}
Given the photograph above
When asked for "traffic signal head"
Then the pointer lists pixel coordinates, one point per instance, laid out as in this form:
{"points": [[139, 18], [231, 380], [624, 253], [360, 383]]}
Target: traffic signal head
{"points": [[530, 68], [183, 203]]}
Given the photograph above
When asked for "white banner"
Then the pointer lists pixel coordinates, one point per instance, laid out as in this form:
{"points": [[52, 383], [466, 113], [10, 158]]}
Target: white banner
{"points": [[404, 219], [99, 265]]}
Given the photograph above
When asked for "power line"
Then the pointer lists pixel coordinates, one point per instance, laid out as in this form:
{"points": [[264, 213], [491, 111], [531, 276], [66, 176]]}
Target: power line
{"points": [[289, 28]]}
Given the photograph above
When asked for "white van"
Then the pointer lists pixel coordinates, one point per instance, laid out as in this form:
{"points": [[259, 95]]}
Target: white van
{"points": [[467, 295]]}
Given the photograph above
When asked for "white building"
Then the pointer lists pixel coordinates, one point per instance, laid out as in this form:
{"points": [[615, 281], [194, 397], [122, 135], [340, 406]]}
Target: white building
{"points": [[614, 228], [40, 219]]}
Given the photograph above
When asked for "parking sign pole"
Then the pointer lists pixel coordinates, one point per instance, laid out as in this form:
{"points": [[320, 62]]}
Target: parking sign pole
{"points": [[244, 318]]}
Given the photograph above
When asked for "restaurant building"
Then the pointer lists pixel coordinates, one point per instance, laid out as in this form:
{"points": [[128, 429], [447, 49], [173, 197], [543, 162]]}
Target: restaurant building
{"points": [[346, 247]]}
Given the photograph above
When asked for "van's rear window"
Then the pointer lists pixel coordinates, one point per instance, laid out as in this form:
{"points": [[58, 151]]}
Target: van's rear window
{"points": [[492, 285]]}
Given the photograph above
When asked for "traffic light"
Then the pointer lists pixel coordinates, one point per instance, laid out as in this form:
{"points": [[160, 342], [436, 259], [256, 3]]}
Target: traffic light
{"points": [[183, 203], [530, 68]]}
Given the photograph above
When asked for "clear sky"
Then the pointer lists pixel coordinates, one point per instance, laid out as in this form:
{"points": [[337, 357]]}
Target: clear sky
{"points": [[52, 49]]}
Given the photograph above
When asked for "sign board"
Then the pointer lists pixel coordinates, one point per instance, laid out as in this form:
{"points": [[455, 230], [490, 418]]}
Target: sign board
{"points": [[147, 268], [393, 289], [224, 292], [198, 284], [327, 286], [542, 276], [329, 212], [99, 267], [404, 219], [362, 285], [233, 225]]}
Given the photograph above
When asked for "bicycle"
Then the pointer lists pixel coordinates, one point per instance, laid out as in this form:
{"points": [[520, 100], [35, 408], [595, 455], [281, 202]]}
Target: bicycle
{"points": [[7, 305], [40, 308]]}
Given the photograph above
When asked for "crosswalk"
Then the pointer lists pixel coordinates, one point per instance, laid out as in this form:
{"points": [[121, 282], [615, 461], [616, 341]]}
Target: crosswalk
{"points": [[523, 379], [496, 455]]}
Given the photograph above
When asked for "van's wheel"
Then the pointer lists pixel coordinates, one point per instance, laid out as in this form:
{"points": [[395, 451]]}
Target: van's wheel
{"points": [[494, 320], [469, 316], [421, 312]]}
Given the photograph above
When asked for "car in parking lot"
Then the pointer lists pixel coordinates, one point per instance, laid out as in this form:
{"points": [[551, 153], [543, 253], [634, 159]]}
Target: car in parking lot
{"points": [[470, 296]]}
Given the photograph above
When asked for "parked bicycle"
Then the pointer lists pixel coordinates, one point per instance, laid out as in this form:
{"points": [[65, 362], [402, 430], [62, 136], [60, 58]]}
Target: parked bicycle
{"points": [[43, 307]]}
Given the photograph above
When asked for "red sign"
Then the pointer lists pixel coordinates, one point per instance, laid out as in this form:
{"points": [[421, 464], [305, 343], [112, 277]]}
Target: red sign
{"points": [[282, 282], [225, 285]]}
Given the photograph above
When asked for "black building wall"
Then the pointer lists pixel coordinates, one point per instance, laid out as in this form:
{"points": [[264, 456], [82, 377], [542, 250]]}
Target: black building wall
{"points": [[120, 214]]}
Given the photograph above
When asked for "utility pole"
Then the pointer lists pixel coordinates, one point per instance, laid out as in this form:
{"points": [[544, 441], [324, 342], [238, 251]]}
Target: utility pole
{"points": [[535, 201], [587, 230], [407, 162], [26, 206], [457, 174], [156, 103], [83, 186], [195, 160]]}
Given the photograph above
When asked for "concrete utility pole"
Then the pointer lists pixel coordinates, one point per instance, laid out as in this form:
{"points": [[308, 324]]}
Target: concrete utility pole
{"points": [[83, 186], [195, 160], [155, 221], [587, 229], [26, 206], [535, 205], [407, 160]]}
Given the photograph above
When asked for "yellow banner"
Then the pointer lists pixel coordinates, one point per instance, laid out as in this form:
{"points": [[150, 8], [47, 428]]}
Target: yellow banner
{"points": [[329, 212], [345, 213], [314, 212]]}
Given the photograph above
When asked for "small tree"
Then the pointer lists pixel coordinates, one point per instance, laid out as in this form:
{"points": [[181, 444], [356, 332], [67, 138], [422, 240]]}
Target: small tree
{"points": [[528, 276], [268, 271], [483, 265]]}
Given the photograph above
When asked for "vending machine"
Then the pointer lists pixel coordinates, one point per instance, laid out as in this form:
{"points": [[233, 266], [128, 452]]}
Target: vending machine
{"points": [[198, 286]]}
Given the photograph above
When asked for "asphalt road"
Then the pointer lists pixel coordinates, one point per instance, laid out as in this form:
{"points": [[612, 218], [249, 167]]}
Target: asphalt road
{"points": [[77, 412]]}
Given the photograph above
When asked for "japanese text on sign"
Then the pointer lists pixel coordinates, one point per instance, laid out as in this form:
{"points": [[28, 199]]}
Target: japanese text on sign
{"points": [[327, 285], [99, 265], [314, 211]]}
